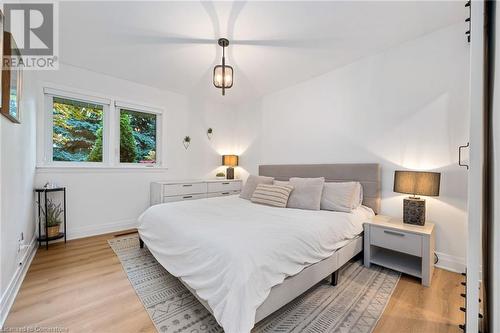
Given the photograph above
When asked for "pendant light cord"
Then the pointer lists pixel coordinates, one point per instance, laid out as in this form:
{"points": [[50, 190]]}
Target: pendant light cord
{"points": [[223, 70]]}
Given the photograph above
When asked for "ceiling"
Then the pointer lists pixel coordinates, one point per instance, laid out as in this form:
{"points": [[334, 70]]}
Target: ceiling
{"points": [[172, 45]]}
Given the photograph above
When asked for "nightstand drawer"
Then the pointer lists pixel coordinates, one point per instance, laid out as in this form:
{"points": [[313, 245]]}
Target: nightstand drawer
{"points": [[223, 186], [184, 188], [396, 240]]}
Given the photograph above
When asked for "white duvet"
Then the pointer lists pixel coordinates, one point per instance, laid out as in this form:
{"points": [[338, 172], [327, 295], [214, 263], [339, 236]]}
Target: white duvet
{"points": [[232, 251]]}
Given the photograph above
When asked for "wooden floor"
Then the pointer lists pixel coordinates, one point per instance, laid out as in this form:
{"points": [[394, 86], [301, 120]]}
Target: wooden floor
{"points": [[81, 287]]}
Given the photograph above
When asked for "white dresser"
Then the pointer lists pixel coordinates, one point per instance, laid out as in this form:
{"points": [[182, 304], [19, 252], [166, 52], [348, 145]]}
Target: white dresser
{"points": [[179, 190]]}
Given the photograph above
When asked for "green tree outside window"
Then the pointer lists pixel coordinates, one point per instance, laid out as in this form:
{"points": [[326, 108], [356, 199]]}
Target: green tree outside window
{"points": [[78, 133]]}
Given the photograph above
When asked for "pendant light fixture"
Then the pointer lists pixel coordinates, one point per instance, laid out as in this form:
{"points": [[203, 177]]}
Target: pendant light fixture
{"points": [[223, 74]]}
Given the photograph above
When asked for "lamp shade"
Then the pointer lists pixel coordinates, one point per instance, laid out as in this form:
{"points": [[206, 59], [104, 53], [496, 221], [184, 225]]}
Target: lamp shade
{"points": [[417, 182], [227, 82], [230, 160]]}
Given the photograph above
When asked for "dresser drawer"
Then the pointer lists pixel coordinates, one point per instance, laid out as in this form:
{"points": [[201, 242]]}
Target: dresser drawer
{"points": [[223, 186], [222, 194], [396, 240], [184, 197], [184, 188]]}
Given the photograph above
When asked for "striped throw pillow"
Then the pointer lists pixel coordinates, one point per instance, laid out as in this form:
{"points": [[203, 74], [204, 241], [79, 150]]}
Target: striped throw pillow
{"points": [[272, 195]]}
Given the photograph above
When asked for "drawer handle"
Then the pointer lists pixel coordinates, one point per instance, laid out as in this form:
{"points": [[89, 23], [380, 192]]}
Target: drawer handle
{"points": [[394, 233], [225, 193], [187, 197], [225, 183], [460, 156], [187, 185]]}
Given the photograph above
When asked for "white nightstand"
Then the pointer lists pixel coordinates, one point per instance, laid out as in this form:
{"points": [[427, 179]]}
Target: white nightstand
{"points": [[403, 247]]}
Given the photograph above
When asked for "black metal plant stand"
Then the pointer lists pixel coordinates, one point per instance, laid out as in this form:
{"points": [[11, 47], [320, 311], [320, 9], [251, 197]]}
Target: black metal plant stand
{"points": [[45, 238]]}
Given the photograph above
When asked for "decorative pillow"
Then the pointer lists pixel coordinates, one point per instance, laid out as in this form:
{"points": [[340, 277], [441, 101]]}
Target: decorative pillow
{"points": [[272, 195], [341, 197], [306, 193], [251, 185]]}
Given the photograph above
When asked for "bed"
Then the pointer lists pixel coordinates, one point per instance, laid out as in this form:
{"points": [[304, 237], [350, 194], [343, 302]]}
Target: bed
{"points": [[244, 261]]}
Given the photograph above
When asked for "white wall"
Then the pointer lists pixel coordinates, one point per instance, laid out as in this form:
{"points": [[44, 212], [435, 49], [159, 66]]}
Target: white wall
{"points": [[106, 200], [403, 108], [205, 159], [17, 173]]}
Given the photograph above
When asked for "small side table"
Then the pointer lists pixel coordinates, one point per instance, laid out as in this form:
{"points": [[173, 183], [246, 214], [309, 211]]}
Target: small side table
{"points": [[406, 248], [45, 238]]}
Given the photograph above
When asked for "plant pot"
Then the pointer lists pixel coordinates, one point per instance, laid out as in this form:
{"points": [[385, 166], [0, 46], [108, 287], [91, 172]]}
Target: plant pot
{"points": [[220, 177], [53, 231]]}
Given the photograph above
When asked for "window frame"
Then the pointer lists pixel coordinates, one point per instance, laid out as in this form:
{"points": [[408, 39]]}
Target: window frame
{"points": [[121, 105], [49, 129], [111, 131]]}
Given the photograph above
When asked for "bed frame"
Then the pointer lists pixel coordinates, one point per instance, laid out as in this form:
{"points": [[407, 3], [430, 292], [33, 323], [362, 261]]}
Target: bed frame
{"points": [[369, 177]]}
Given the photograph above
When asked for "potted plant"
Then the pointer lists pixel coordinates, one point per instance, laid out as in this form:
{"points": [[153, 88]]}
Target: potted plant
{"points": [[186, 142], [53, 221], [220, 175]]}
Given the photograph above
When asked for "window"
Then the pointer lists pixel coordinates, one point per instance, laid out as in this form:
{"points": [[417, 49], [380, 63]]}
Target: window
{"points": [[76, 131], [137, 137], [92, 131]]}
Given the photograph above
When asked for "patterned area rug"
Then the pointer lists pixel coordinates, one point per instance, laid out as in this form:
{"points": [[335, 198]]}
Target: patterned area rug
{"points": [[354, 305]]}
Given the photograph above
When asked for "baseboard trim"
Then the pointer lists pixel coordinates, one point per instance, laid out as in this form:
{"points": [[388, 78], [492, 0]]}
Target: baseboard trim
{"points": [[8, 297], [450, 263], [95, 230]]}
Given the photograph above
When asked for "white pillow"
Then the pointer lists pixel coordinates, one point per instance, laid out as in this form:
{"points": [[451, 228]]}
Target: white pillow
{"points": [[341, 197], [306, 193], [358, 195], [281, 183], [251, 185]]}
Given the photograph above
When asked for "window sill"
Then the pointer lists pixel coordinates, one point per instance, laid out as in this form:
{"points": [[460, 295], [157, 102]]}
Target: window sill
{"points": [[97, 168]]}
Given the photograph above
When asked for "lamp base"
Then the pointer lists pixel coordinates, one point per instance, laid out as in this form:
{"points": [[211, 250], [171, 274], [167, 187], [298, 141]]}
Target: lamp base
{"points": [[230, 173], [414, 211]]}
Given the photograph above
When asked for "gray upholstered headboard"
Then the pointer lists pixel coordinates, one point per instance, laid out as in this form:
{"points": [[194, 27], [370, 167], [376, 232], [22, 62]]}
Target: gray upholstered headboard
{"points": [[368, 174]]}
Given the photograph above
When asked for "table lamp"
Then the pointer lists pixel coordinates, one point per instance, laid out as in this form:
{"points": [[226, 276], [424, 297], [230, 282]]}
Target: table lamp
{"points": [[230, 161], [416, 183]]}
